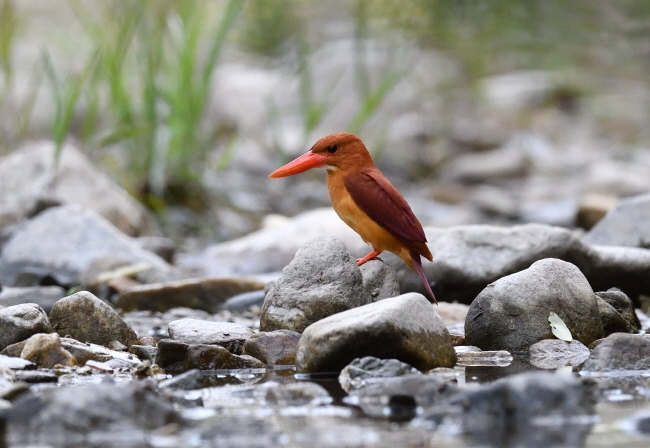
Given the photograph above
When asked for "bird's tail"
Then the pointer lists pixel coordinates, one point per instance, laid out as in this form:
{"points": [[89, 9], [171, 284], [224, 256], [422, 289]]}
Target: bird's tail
{"points": [[417, 267]]}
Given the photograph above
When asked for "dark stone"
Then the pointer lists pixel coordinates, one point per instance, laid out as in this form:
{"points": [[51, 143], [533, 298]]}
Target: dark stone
{"points": [[144, 352], [273, 348], [174, 356], [36, 376], [623, 306]]}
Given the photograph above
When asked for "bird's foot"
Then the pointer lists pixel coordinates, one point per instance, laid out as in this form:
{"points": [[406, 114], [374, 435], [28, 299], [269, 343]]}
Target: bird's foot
{"points": [[370, 256]]}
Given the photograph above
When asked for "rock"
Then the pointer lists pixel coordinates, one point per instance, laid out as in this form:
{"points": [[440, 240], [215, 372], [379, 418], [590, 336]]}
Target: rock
{"points": [[501, 163], [398, 398], [510, 409], [174, 356], [297, 394], [87, 319], [83, 352], [555, 353], [453, 313], [245, 301], [190, 380], [15, 363], [144, 352], [273, 348], [625, 225], [14, 349], [208, 294], [363, 371], [72, 245], [405, 327], [612, 320], [322, 279], [19, 322], [43, 296], [45, 350], [468, 258], [620, 351], [495, 201], [269, 394], [593, 208], [512, 313], [623, 306], [470, 356], [225, 334], [165, 248], [36, 376], [379, 279], [131, 410]]}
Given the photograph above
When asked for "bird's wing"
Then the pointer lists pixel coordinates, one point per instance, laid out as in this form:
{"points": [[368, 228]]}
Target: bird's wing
{"points": [[381, 201]]}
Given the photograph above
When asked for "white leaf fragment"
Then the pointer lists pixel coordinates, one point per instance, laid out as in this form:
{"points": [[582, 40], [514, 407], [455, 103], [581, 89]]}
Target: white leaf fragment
{"points": [[559, 328]]}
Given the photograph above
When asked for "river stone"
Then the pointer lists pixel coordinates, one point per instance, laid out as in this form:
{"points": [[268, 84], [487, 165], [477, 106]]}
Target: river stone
{"points": [[72, 245], [66, 416], [551, 354], [512, 313], [322, 279], [405, 327], [363, 371], [175, 356], [625, 225], [612, 320], [229, 335], [273, 348], [31, 176], [19, 322], [190, 380], [623, 306], [84, 352], [44, 296], [45, 351], [620, 351], [379, 279], [87, 319], [207, 294]]}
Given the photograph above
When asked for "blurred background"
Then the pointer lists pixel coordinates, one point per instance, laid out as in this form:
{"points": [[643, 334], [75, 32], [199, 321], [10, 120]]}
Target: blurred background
{"points": [[504, 111]]}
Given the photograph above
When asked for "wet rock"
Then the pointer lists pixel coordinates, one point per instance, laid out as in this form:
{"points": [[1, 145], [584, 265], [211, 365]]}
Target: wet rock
{"points": [[470, 356], [72, 245], [555, 353], [31, 176], [11, 362], [271, 393], [379, 279], [190, 380], [323, 279], [45, 350], [625, 225], [512, 313], [131, 410], [225, 334], [273, 348], [36, 376], [612, 320], [83, 352], [273, 247], [87, 319], [510, 408], [145, 352], [207, 294], [297, 394], [174, 356], [405, 327], [623, 307], [620, 351], [43, 296], [398, 398], [363, 371], [245, 301], [19, 322]]}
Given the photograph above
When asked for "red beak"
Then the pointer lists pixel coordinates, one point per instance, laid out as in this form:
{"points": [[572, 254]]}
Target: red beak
{"points": [[303, 163]]}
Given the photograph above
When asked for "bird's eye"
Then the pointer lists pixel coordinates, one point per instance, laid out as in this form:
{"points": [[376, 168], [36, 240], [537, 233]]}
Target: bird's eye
{"points": [[332, 149]]}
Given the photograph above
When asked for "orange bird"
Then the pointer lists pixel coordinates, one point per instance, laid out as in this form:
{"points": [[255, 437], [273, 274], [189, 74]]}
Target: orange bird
{"points": [[365, 200]]}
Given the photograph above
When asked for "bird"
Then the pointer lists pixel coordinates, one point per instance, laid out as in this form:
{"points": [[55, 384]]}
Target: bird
{"points": [[365, 200]]}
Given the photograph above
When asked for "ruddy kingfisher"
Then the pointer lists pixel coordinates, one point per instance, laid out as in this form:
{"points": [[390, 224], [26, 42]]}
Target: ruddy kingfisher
{"points": [[365, 200]]}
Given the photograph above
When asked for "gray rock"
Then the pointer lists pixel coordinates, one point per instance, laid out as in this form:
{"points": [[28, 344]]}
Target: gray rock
{"points": [[244, 301], [363, 371], [625, 225], [36, 376], [31, 176], [379, 279], [87, 319], [66, 416], [405, 327], [322, 279], [225, 334], [273, 348], [190, 380], [510, 408], [620, 351], [45, 350], [43, 296], [174, 356], [19, 322], [207, 294], [72, 245], [297, 394], [84, 352], [612, 320], [144, 352], [555, 353], [512, 313], [623, 306]]}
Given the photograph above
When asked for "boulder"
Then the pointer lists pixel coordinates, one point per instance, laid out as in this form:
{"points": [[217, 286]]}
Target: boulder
{"points": [[225, 334], [405, 327], [19, 322], [322, 279], [87, 319], [512, 313], [273, 348]]}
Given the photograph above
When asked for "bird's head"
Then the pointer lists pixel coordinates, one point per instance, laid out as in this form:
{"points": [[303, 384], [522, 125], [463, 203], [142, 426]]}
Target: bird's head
{"points": [[341, 151]]}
